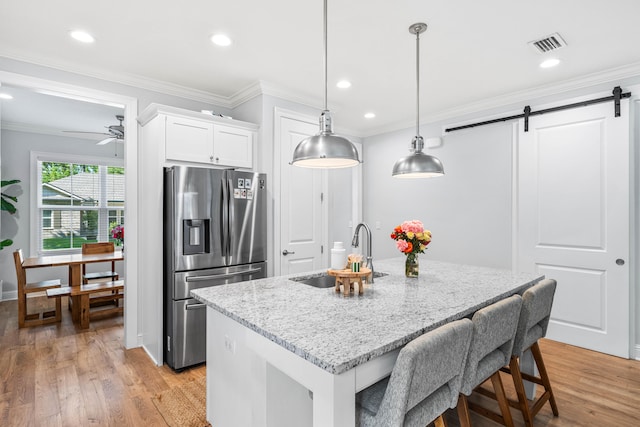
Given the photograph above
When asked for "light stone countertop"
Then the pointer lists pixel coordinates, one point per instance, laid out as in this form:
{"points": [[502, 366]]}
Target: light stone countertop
{"points": [[338, 333]]}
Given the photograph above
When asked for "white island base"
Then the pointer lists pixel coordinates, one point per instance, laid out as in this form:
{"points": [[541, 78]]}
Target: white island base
{"points": [[254, 382]]}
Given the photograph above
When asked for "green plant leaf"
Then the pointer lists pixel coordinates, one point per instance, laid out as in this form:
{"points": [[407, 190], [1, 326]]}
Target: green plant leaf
{"points": [[6, 206], [5, 183], [6, 196], [5, 242]]}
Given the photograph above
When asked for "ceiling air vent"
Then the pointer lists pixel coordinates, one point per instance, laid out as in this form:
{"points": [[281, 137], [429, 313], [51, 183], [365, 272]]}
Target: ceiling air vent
{"points": [[549, 43]]}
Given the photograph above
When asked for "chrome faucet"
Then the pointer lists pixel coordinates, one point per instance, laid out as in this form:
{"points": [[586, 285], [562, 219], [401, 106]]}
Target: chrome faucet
{"points": [[355, 242]]}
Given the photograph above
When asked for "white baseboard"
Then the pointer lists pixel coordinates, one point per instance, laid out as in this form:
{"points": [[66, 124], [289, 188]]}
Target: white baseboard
{"points": [[9, 295], [637, 355], [151, 356]]}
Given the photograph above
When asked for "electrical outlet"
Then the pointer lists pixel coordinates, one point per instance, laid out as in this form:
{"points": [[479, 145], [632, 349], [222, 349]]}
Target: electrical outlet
{"points": [[229, 344]]}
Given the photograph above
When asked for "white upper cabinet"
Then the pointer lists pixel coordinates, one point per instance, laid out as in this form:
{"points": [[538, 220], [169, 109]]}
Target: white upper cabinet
{"points": [[194, 137], [232, 145], [188, 140]]}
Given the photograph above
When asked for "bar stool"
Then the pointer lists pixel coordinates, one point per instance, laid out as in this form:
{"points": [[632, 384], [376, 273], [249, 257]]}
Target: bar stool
{"points": [[494, 330], [424, 383], [533, 323]]}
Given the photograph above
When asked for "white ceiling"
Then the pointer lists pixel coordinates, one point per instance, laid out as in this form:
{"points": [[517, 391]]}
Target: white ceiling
{"points": [[473, 53]]}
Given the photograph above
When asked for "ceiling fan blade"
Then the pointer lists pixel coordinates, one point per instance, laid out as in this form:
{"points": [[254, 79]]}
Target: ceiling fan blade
{"points": [[92, 133], [106, 141]]}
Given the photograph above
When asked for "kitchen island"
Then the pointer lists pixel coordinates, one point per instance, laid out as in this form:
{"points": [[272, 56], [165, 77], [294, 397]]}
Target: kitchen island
{"points": [[280, 352]]}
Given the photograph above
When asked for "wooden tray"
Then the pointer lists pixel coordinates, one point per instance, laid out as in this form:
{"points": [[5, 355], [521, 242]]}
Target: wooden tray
{"points": [[348, 278]]}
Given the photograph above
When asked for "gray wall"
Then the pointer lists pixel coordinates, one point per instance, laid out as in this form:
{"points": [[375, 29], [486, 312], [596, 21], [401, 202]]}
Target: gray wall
{"points": [[468, 210]]}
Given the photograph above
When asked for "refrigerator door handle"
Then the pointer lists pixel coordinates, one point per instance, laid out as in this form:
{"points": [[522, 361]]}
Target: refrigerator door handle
{"points": [[230, 219], [222, 276], [194, 306], [224, 223]]}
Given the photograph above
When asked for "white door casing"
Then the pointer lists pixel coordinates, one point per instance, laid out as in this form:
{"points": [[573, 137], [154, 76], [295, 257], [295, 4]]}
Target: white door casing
{"points": [[302, 214], [572, 221]]}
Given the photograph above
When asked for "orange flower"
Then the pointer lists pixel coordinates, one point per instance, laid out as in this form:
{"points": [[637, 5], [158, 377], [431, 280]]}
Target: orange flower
{"points": [[409, 248]]}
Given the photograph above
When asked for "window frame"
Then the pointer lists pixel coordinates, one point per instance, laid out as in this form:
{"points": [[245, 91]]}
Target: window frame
{"points": [[36, 198]]}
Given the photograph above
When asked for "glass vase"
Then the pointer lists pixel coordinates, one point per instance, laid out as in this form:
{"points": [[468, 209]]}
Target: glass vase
{"points": [[411, 266]]}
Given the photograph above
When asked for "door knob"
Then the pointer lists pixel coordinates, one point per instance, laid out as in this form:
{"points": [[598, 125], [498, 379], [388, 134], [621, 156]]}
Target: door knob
{"points": [[620, 261], [286, 252]]}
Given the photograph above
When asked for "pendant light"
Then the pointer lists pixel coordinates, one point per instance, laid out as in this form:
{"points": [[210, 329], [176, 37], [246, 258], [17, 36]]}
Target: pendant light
{"points": [[418, 164], [325, 149]]}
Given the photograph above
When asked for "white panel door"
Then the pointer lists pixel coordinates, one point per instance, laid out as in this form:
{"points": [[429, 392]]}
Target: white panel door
{"points": [[573, 221], [301, 205]]}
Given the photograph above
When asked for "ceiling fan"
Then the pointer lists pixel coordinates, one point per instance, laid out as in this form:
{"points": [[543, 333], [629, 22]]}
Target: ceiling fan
{"points": [[114, 132]]}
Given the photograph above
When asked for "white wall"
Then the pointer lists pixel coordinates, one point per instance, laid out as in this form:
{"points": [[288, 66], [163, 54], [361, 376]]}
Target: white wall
{"points": [[16, 164]]}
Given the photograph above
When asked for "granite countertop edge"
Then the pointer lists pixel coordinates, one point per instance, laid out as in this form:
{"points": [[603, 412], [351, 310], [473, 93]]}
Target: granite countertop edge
{"points": [[363, 358]]}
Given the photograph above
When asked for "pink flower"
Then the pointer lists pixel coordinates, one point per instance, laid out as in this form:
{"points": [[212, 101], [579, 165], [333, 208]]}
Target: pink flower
{"points": [[414, 226], [402, 245]]}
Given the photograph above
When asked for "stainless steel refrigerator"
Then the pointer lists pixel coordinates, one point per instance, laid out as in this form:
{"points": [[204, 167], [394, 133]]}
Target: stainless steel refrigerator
{"points": [[215, 232]]}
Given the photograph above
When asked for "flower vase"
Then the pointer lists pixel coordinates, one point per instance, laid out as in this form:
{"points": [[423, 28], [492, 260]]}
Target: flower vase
{"points": [[411, 266]]}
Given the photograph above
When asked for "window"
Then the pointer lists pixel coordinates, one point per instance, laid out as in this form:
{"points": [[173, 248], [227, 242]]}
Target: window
{"points": [[78, 201], [47, 221]]}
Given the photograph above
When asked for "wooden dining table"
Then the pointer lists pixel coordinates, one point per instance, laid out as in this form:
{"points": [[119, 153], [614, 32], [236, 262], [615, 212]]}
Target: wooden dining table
{"points": [[74, 262]]}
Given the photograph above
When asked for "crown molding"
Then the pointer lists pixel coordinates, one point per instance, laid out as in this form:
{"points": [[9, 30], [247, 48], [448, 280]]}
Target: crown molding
{"points": [[266, 88], [126, 79], [613, 75]]}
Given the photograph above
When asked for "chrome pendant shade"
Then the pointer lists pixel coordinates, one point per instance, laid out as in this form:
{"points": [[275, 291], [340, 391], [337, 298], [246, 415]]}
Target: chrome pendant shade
{"points": [[325, 149], [418, 164]]}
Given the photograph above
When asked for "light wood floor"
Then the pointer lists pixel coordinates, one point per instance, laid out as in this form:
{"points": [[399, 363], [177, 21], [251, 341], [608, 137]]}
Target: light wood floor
{"points": [[61, 376]]}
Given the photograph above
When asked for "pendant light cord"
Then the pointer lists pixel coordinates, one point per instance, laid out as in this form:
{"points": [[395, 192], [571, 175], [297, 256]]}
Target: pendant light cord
{"points": [[417, 84], [325, 54]]}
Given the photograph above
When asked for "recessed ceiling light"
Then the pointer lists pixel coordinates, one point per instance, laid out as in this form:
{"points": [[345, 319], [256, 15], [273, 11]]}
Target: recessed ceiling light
{"points": [[220, 40], [5, 96], [548, 63], [82, 36], [369, 115], [344, 84]]}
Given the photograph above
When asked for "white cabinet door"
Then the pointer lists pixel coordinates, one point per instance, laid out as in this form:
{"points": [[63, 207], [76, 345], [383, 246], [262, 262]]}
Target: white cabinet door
{"points": [[189, 140], [232, 146]]}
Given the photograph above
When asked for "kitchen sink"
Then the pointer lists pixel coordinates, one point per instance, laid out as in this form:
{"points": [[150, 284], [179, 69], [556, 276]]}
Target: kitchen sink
{"points": [[324, 280]]}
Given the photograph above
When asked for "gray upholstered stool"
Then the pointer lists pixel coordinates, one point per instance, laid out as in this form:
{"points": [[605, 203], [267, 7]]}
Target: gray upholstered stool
{"points": [[494, 330], [424, 383], [533, 323]]}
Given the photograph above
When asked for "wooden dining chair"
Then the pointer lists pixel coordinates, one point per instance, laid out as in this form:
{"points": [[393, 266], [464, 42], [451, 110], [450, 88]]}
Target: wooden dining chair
{"points": [[98, 248], [494, 331], [24, 289], [424, 383]]}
